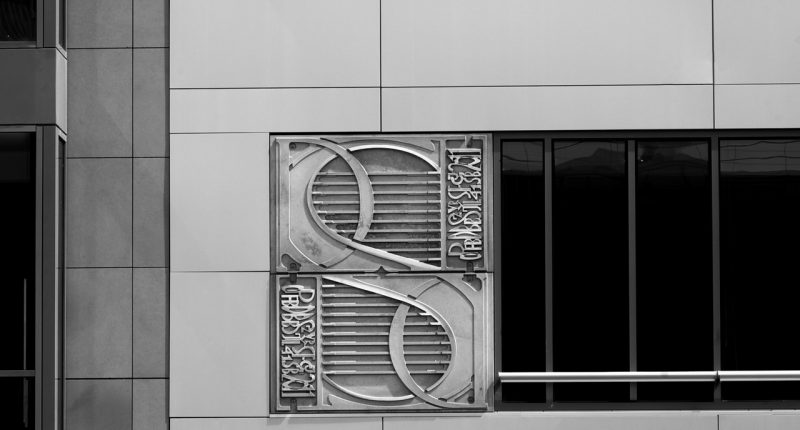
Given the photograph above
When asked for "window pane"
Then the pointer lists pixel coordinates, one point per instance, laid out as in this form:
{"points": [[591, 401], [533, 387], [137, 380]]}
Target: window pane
{"points": [[17, 20], [62, 23], [523, 257], [760, 232], [590, 265], [673, 266], [17, 250], [18, 403]]}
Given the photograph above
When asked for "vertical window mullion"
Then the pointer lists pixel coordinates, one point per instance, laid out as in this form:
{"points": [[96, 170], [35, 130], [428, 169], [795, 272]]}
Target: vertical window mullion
{"points": [[548, 243], [632, 347], [715, 262]]}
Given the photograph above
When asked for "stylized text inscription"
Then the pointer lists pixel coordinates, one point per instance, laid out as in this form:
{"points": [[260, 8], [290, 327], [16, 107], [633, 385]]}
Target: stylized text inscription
{"points": [[298, 343], [465, 203]]}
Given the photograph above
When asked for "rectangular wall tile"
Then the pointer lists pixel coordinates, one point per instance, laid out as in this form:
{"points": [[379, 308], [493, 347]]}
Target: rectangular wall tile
{"points": [[99, 103], [97, 405], [150, 23], [756, 41], [274, 43], [149, 323], [561, 421], [150, 212], [547, 108], [324, 423], [545, 42], [274, 110], [778, 420], [217, 423], [98, 212], [758, 106], [98, 323], [218, 345], [99, 23], [150, 102], [150, 404], [219, 204]]}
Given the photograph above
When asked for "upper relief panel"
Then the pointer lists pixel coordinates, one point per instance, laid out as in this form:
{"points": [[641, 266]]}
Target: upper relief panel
{"points": [[393, 203]]}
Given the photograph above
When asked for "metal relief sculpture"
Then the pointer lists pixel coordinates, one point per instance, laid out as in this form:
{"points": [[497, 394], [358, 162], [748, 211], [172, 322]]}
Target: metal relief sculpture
{"points": [[401, 203], [381, 297]]}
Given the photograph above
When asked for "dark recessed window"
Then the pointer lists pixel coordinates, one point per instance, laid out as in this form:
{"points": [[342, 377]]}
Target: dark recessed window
{"points": [[760, 282], [523, 254], [17, 20], [590, 265], [17, 279], [674, 311], [658, 252]]}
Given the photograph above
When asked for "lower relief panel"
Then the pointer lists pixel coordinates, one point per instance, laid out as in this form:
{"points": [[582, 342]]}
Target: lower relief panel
{"points": [[381, 343]]}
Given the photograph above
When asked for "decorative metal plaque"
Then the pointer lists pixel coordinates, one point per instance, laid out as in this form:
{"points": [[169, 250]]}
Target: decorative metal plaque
{"points": [[401, 203], [392, 342]]}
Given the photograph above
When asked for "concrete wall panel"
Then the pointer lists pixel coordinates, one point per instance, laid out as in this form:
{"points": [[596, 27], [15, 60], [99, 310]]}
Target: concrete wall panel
{"points": [[561, 421], [273, 111], [546, 42], [218, 345], [547, 108], [758, 106], [219, 211], [757, 41], [261, 43]]}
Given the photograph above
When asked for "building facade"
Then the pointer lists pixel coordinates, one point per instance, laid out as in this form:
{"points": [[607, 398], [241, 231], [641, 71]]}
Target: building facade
{"points": [[382, 214]]}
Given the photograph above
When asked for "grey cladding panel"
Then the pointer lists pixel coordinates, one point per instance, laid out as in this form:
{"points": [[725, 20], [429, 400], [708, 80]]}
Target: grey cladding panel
{"points": [[401, 203]]}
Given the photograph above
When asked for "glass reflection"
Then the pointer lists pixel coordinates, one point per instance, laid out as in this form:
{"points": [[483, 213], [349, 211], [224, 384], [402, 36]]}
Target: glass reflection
{"points": [[523, 257], [673, 265], [759, 213], [590, 265]]}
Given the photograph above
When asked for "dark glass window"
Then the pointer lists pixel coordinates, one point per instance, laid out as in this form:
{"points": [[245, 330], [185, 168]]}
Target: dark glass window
{"points": [[62, 23], [523, 254], [17, 20], [674, 311], [590, 266], [760, 282], [17, 279]]}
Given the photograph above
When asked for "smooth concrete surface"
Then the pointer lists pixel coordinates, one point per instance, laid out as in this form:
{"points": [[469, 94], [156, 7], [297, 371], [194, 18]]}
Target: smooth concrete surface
{"points": [[98, 404], [150, 404], [275, 110], [548, 108], [99, 23], [760, 420], [150, 23], [324, 423], [757, 41], [150, 216], [149, 323], [758, 106], [217, 423], [219, 206], [218, 344], [274, 43], [150, 102], [97, 323], [32, 87], [560, 421], [277, 423], [100, 91], [99, 213], [545, 42]]}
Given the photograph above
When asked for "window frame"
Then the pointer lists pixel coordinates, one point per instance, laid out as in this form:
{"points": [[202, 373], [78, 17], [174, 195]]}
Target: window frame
{"points": [[51, 24], [631, 136], [49, 284]]}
